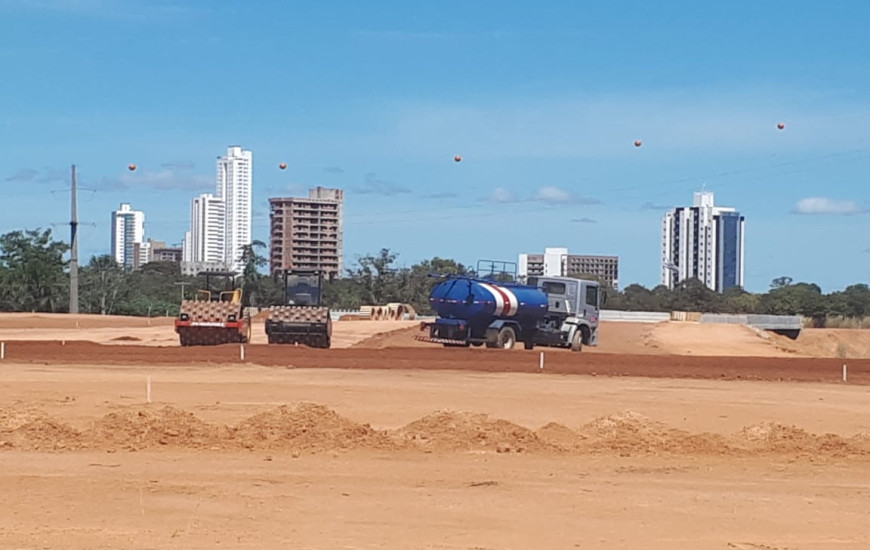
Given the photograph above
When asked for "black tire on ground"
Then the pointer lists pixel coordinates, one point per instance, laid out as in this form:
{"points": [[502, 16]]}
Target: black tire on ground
{"points": [[506, 338], [529, 344], [477, 344], [577, 340]]}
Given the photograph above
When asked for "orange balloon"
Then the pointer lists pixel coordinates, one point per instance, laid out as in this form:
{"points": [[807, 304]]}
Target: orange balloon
{"points": [[131, 167], [457, 158], [781, 125], [638, 143], [283, 165]]}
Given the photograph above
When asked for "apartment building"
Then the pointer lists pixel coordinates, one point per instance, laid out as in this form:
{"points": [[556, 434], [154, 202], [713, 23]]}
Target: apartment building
{"points": [[307, 233]]}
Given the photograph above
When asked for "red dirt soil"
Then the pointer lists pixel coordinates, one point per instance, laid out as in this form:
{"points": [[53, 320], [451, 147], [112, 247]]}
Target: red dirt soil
{"points": [[435, 358]]}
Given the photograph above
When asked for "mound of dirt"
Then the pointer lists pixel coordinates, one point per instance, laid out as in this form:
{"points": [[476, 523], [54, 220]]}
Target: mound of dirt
{"points": [[629, 432], [307, 427], [126, 339], [144, 428], [446, 431], [773, 437], [41, 433], [560, 436]]}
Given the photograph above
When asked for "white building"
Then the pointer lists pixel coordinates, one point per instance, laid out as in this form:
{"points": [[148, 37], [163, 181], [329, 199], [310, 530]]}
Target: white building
{"points": [[234, 185], [705, 242], [206, 240], [557, 262], [187, 247], [128, 230]]}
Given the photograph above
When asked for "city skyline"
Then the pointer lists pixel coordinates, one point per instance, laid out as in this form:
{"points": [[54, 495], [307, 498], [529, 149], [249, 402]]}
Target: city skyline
{"points": [[543, 106]]}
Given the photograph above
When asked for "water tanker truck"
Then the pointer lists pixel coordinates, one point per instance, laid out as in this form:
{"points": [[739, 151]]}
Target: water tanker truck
{"points": [[486, 310]]}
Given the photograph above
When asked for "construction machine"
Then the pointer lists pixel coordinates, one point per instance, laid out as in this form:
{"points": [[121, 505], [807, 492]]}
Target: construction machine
{"points": [[215, 315], [300, 318]]}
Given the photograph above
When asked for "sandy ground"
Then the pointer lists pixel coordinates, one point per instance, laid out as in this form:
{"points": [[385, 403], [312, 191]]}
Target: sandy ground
{"points": [[157, 331], [670, 436], [585, 462]]}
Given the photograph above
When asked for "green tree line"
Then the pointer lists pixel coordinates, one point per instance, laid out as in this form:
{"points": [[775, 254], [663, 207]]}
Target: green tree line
{"points": [[34, 277]]}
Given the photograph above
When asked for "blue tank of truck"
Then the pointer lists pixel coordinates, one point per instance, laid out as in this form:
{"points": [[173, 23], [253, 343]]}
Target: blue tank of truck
{"points": [[479, 301]]}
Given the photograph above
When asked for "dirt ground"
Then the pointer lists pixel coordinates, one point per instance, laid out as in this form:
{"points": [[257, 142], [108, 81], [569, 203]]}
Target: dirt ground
{"points": [[713, 439]]}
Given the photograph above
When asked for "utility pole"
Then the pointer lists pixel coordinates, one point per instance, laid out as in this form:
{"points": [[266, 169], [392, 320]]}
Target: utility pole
{"points": [[74, 249]]}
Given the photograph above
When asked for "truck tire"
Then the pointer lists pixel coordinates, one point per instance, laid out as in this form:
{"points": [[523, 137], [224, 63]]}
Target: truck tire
{"points": [[529, 344], [506, 338], [577, 340]]}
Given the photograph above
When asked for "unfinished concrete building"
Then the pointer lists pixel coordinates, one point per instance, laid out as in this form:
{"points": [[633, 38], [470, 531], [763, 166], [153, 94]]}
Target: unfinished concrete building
{"points": [[307, 233]]}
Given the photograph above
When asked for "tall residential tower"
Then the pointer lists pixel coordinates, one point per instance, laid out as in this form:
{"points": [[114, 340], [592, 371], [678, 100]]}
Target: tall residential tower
{"points": [[234, 178], [128, 231], [705, 242]]}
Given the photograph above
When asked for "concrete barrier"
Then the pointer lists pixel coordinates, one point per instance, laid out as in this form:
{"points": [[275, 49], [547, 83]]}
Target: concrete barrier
{"points": [[634, 316]]}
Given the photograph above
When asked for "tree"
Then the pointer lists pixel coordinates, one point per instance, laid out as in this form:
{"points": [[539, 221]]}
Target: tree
{"points": [[738, 301], [693, 295], [257, 289], [375, 275], [102, 284], [33, 270], [781, 282]]}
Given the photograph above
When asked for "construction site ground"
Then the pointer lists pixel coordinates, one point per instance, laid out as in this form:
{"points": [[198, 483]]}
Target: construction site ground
{"points": [[669, 435]]}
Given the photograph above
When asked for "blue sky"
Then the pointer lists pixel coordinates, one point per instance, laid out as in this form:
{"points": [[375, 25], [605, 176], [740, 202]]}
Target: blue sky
{"points": [[542, 101]]}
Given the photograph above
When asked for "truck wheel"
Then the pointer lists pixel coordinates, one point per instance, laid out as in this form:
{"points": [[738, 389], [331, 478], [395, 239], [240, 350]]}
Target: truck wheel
{"points": [[529, 344], [506, 338], [577, 340]]}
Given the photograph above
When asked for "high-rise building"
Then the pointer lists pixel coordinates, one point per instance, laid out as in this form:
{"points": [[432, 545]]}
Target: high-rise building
{"points": [[705, 242], [307, 233], [556, 262], [187, 247], [207, 230], [128, 231], [234, 186]]}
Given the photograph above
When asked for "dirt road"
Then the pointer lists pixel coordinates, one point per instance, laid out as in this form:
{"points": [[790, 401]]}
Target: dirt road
{"points": [[556, 361]]}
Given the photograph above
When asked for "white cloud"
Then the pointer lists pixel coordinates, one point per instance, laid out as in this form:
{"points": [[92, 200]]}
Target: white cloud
{"points": [[822, 205], [501, 195], [553, 194]]}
